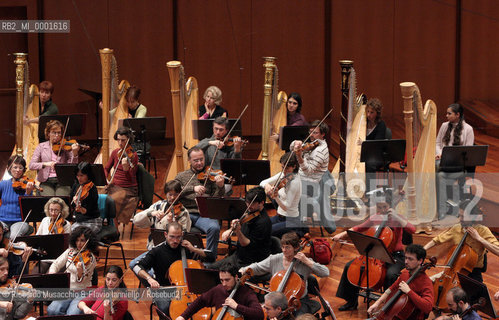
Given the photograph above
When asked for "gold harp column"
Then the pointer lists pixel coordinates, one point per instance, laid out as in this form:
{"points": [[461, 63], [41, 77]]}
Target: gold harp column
{"points": [[105, 58], [20, 62], [407, 89], [346, 66], [174, 73], [269, 66]]}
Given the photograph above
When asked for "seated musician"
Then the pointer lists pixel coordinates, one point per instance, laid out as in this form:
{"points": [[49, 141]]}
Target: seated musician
{"points": [[124, 187], [211, 108], [458, 303], [275, 303], [84, 199], [313, 163], [135, 108], [79, 261], [161, 257], [294, 117], [155, 216], [56, 211], [103, 308], [419, 291], [480, 237], [18, 308], [10, 211], [195, 188], [45, 158], [398, 224], [290, 244], [47, 107], [15, 262], [287, 197], [210, 145], [244, 301]]}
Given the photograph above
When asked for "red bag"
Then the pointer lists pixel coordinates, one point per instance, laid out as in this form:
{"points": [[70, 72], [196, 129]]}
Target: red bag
{"points": [[321, 251]]}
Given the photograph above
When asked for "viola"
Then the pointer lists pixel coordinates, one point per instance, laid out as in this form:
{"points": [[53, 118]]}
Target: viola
{"points": [[57, 227], [65, 145], [221, 313], [211, 174], [22, 183]]}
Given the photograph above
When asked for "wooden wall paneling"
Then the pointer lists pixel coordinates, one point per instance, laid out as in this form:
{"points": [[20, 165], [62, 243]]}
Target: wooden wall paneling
{"points": [[479, 49]]}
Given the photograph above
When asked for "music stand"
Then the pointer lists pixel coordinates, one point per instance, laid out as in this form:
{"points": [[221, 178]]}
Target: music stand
{"points": [[203, 128], [75, 128], [146, 129], [226, 208], [246, 172], [97, 96], [66, 174], [73, 317], [36, 205], [288, 134], [370, 247], [53, 244], [459, 158], [381, 153], [201, 280], [58, 280], [476, 290]]}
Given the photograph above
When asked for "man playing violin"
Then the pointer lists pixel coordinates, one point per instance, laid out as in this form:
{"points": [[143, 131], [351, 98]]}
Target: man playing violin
{"points": [[243, 302], [304, 267], [18, 308], [192, 188], [210, 145], [161, 257], [15, 262], [44, 160], [419, 291], [275, 303], [253, 237], [398, 224], [123, 187], [458, 303]]}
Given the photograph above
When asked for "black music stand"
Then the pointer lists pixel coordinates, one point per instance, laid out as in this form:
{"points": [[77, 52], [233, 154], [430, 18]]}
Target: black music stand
{"points": [[145, 130], [58, 280], [97, 96], [75, 128], [226, 208], [53, 244], [476, 290], [289, 134], [246, 172], [66, 174], [74, 317], [201, 280], [380, 153], [36, 205], [461, 158], [203, 128], [370, 247]]}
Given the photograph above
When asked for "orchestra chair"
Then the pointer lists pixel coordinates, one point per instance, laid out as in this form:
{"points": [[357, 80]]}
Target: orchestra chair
{"points": [[275, 248], [108, 236], [145, 188]]}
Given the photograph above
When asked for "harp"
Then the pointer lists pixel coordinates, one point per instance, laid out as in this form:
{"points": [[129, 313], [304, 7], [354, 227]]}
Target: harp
{"points": [[420, 207], [113, 96], [185, 103], [274, 115]]}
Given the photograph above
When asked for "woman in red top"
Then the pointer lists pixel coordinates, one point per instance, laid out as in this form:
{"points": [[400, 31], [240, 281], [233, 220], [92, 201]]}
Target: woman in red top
{"points": [[113, 308], [123, 187]]}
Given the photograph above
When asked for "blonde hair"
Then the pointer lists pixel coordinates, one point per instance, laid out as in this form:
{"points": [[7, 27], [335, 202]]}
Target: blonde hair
{"points": [[61, 203], [50, 125], [216, 94]]}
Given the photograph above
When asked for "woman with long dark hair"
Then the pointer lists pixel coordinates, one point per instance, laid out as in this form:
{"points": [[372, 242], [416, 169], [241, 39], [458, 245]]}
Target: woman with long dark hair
{"points": [[454, 132]]}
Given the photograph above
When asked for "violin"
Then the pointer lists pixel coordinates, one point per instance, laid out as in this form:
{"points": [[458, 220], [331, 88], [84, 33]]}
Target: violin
{"points": [[57, 227], [229, 142], [65, 145], [22, 183], [128, 155], [212, 174], [11, 287], [282, 183], [222, 313], [309, 146], [17, 248], [83, 258], [82, 193]]}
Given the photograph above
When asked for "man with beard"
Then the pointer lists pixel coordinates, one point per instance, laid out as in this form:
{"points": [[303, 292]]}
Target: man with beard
{"points": [[457, 300], [192, 188], [20, 306], [243, 302]]}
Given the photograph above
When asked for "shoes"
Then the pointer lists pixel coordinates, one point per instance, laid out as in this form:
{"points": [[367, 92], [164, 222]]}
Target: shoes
{"points": [[348, 306]]}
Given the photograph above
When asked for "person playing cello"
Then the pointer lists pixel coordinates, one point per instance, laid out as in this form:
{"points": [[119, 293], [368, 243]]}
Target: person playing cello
{"points": [[244, 301], [11, 309], [275, 303], [419, 291], [398, 225]]}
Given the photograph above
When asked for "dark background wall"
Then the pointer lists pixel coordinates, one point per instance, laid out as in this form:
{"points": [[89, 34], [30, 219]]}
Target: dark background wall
{"points": [[447, 47]]}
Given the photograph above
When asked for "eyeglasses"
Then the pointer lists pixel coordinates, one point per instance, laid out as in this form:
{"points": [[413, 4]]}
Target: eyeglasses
{"points": [[56, 133], [54, 210]]}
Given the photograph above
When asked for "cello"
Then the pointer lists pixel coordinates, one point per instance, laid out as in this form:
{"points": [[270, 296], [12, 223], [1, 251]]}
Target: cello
{"points": [[176, 274], [224, 313], [462, 259]]}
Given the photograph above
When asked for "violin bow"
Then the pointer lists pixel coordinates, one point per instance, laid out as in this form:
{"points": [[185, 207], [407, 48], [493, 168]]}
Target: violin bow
{"points": [[178, 196], [58, 216], [224, 141], [121, 279], [12, 164], [73, 261], [244, 214], [63, 136], [11, 242], [19, 279], [119, 161]]}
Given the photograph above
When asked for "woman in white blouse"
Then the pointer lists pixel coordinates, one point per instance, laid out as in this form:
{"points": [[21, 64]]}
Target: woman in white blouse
{"points": [[56, 210]]}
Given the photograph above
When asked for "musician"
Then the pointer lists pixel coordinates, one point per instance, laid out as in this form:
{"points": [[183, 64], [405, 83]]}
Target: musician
{"points": [[398, 224], [44, 159], [55, 209], [103, 308], [253, 237], [244, 301], [210, 145], [419, 291], [454, 132], [293, 113], [124, 187], [287, 197], [194, 189], [135, 108], [18, 308], [84, 199], [15, 262], [458, 303], [275, 303], [10, 211], [481, 238], [290, 245], [47, 107], [161, 257], [211, 108], [313, 164], [79, 261]]}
